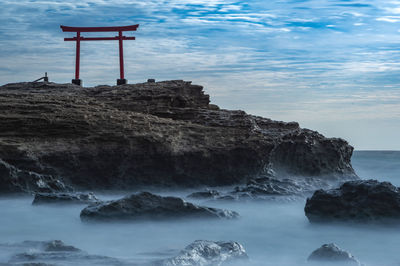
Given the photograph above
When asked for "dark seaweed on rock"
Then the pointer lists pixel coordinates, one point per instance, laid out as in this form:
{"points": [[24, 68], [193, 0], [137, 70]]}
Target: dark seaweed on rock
{"points": [[162, 134]]}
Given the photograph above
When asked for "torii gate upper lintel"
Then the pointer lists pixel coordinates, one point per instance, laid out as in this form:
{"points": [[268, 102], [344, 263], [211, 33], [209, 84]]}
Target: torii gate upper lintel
{"points": [[80, 38]]}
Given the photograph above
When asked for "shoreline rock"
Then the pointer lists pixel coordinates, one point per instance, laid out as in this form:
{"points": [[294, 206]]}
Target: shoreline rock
{"points": [[204, 253], [332, 254], [148, 206], [266, 188], [163, 134], [356, 201], [65, 198]]}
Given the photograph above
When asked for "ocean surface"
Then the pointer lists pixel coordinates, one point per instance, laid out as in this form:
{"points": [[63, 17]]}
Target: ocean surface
{"points": [[273, 233]]}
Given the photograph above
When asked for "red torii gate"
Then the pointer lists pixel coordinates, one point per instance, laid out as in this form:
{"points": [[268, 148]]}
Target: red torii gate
{"points": [[79, 38]]}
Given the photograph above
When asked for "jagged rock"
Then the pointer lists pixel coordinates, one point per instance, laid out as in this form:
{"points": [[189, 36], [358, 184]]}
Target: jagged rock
{"points": [[360, 201], [203, 253], [330, 253], [15, 180], [53, 253], [208, 194], [77, 197], [145, 205], [161, 133], [267, 186]]}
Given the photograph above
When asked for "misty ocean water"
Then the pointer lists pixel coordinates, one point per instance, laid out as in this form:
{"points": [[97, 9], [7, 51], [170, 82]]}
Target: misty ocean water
{"points": [[273, 233]]}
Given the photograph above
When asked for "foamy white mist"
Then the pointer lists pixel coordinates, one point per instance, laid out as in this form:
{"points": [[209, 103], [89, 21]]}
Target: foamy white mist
{"points": [[272, 233]]}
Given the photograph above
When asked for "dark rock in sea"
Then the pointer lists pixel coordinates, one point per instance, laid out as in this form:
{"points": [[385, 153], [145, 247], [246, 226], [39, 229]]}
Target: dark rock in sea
{"points": [[72, 197], [332, 254], [45, 253], [160, 134], [14, 180], [58, 245], [359, 201], [203, 253], [208, 194], [145, 205], [267, 186]]}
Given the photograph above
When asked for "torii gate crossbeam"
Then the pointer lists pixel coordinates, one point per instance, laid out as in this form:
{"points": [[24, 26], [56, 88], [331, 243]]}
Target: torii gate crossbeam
{"points": [[80, 38]]}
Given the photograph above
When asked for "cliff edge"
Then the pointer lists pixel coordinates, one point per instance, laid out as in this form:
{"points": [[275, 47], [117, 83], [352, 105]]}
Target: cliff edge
{"points": [[57, 136]]}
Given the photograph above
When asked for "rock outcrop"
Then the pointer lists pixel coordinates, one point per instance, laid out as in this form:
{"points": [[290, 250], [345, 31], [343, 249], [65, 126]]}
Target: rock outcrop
{"points": [[14, 180], [359, 201], [330, 253], [146, 205], [267, 188], [162, 133], [208, 194], [203, 253], [65, 198]]}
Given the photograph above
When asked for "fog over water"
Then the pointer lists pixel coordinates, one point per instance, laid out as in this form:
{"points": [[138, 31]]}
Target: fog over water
{"points": [[273, 233]]}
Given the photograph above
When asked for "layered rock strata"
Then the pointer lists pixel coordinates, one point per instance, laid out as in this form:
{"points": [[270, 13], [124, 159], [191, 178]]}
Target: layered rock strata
{"points": [[161, 134]]}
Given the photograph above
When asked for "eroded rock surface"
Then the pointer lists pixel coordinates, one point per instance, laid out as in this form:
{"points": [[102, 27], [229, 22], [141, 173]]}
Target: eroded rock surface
{"points": [[208, 194], [332, 254], [267, 188], [65, 198], [203, 253], [162, 133], [359, 201], [14, 180], [146, 205]]}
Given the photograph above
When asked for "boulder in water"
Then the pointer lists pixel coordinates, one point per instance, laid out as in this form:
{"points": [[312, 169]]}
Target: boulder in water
{"points": [[204, 253], [146, 205], [330, 253], [359, 201]]}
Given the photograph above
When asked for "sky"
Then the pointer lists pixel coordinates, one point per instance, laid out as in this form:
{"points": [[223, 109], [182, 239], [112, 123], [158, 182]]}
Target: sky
{"points": [[333, 66]]}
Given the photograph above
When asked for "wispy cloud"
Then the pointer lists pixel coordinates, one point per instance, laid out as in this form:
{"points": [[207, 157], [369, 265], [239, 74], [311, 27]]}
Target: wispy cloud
{"points": [[309, 61]]}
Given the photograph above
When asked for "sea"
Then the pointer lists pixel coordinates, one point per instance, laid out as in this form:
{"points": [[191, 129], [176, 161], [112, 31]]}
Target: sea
{"points": [[272, 232]]}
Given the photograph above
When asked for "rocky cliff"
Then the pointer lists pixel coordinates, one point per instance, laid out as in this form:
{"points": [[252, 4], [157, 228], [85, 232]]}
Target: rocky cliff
{"points": [[162, 134]]}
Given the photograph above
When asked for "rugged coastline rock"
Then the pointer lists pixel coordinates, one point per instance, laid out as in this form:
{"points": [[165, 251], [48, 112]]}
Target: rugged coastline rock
{"points": [[208, 194], [359, 201], [266, 188], [146, 205], [330, 253], [161, 134], [204, 253], [65, 198], [14, 180]]}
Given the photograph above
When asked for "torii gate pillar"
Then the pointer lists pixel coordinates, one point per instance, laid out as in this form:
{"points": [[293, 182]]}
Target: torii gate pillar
{"points": [[79, 38]]}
